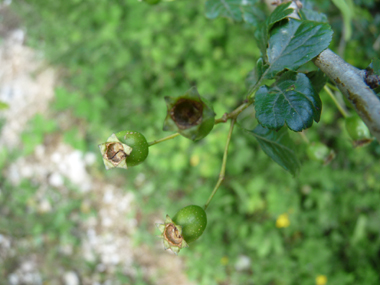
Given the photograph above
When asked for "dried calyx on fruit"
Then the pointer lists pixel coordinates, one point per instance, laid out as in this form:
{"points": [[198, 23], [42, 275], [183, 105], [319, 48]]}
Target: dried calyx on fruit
{"points": [[185, 227], [171, 234], [190, 115], [123, 149]]}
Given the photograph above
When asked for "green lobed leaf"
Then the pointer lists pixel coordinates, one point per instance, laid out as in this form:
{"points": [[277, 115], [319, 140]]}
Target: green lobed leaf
{"points": [[278, 146], [253, 14], [232, 9], [318, 79], [255, 74], [307, 14], [291, 100], [295, 43], [262, 34], [278, 14]]}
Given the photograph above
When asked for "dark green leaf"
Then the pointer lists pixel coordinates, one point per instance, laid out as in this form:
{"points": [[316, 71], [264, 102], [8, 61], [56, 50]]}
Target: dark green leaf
{"points": [[262, 34], [291, 100], [318, 79], [224, 8], [256, 73], [253, 15], [375, 64], [278, 146], [311, 15], [228, 8], [377, 91], [280, 13], [295, 43]]}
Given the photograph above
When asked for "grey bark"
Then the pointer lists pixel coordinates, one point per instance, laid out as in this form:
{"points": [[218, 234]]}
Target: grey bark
{"points": [[350, 81]]}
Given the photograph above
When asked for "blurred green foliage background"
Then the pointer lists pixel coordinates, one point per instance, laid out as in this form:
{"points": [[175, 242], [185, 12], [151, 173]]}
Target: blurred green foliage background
{"points": [[118, 59]]}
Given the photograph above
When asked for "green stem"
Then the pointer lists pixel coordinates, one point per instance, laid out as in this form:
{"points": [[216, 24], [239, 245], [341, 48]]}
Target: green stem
{"points": [[163, 139], [304, 137], [333, 87], [224, 163], [234, 113], [340, 108]]}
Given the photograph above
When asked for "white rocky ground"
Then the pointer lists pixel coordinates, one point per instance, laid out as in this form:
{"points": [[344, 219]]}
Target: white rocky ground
{"points": [[107, 236]]}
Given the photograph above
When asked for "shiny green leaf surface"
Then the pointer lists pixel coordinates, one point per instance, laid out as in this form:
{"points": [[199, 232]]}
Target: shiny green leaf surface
{"points": [[291, 100], [295, 43], [278, 146]]}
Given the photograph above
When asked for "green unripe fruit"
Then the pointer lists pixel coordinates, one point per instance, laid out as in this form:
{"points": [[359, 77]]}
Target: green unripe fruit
{"points": [[190, 115], [186, 226], [139, 145], [318, 152], [193, 220], [356, 128]]}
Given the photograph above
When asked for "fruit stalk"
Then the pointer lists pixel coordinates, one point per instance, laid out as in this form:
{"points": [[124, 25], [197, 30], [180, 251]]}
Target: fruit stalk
{"points": [[332, 96], [224, 163], [163, 139], [234, 113]]}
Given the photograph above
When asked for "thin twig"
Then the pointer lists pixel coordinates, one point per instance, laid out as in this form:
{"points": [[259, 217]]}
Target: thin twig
{"points": [[163, 139], [224, 163], [337, 104]]}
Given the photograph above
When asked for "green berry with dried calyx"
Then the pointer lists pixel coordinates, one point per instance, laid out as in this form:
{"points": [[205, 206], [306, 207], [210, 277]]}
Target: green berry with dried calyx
{"points": [[358, 131], [318, 151], [187, 225], [139, 145], [171, 235], [124, 149], [193, 220], [190, 115]]}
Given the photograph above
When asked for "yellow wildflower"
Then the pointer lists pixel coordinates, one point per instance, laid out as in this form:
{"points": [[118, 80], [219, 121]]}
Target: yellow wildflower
{"points": [[194, 160], [283, 221], [321, 280], [224, 260]]}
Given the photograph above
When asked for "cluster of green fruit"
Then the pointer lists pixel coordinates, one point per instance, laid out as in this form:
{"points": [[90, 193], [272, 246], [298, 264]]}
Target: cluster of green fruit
{"points": [[356, 129], [191, 116]]}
